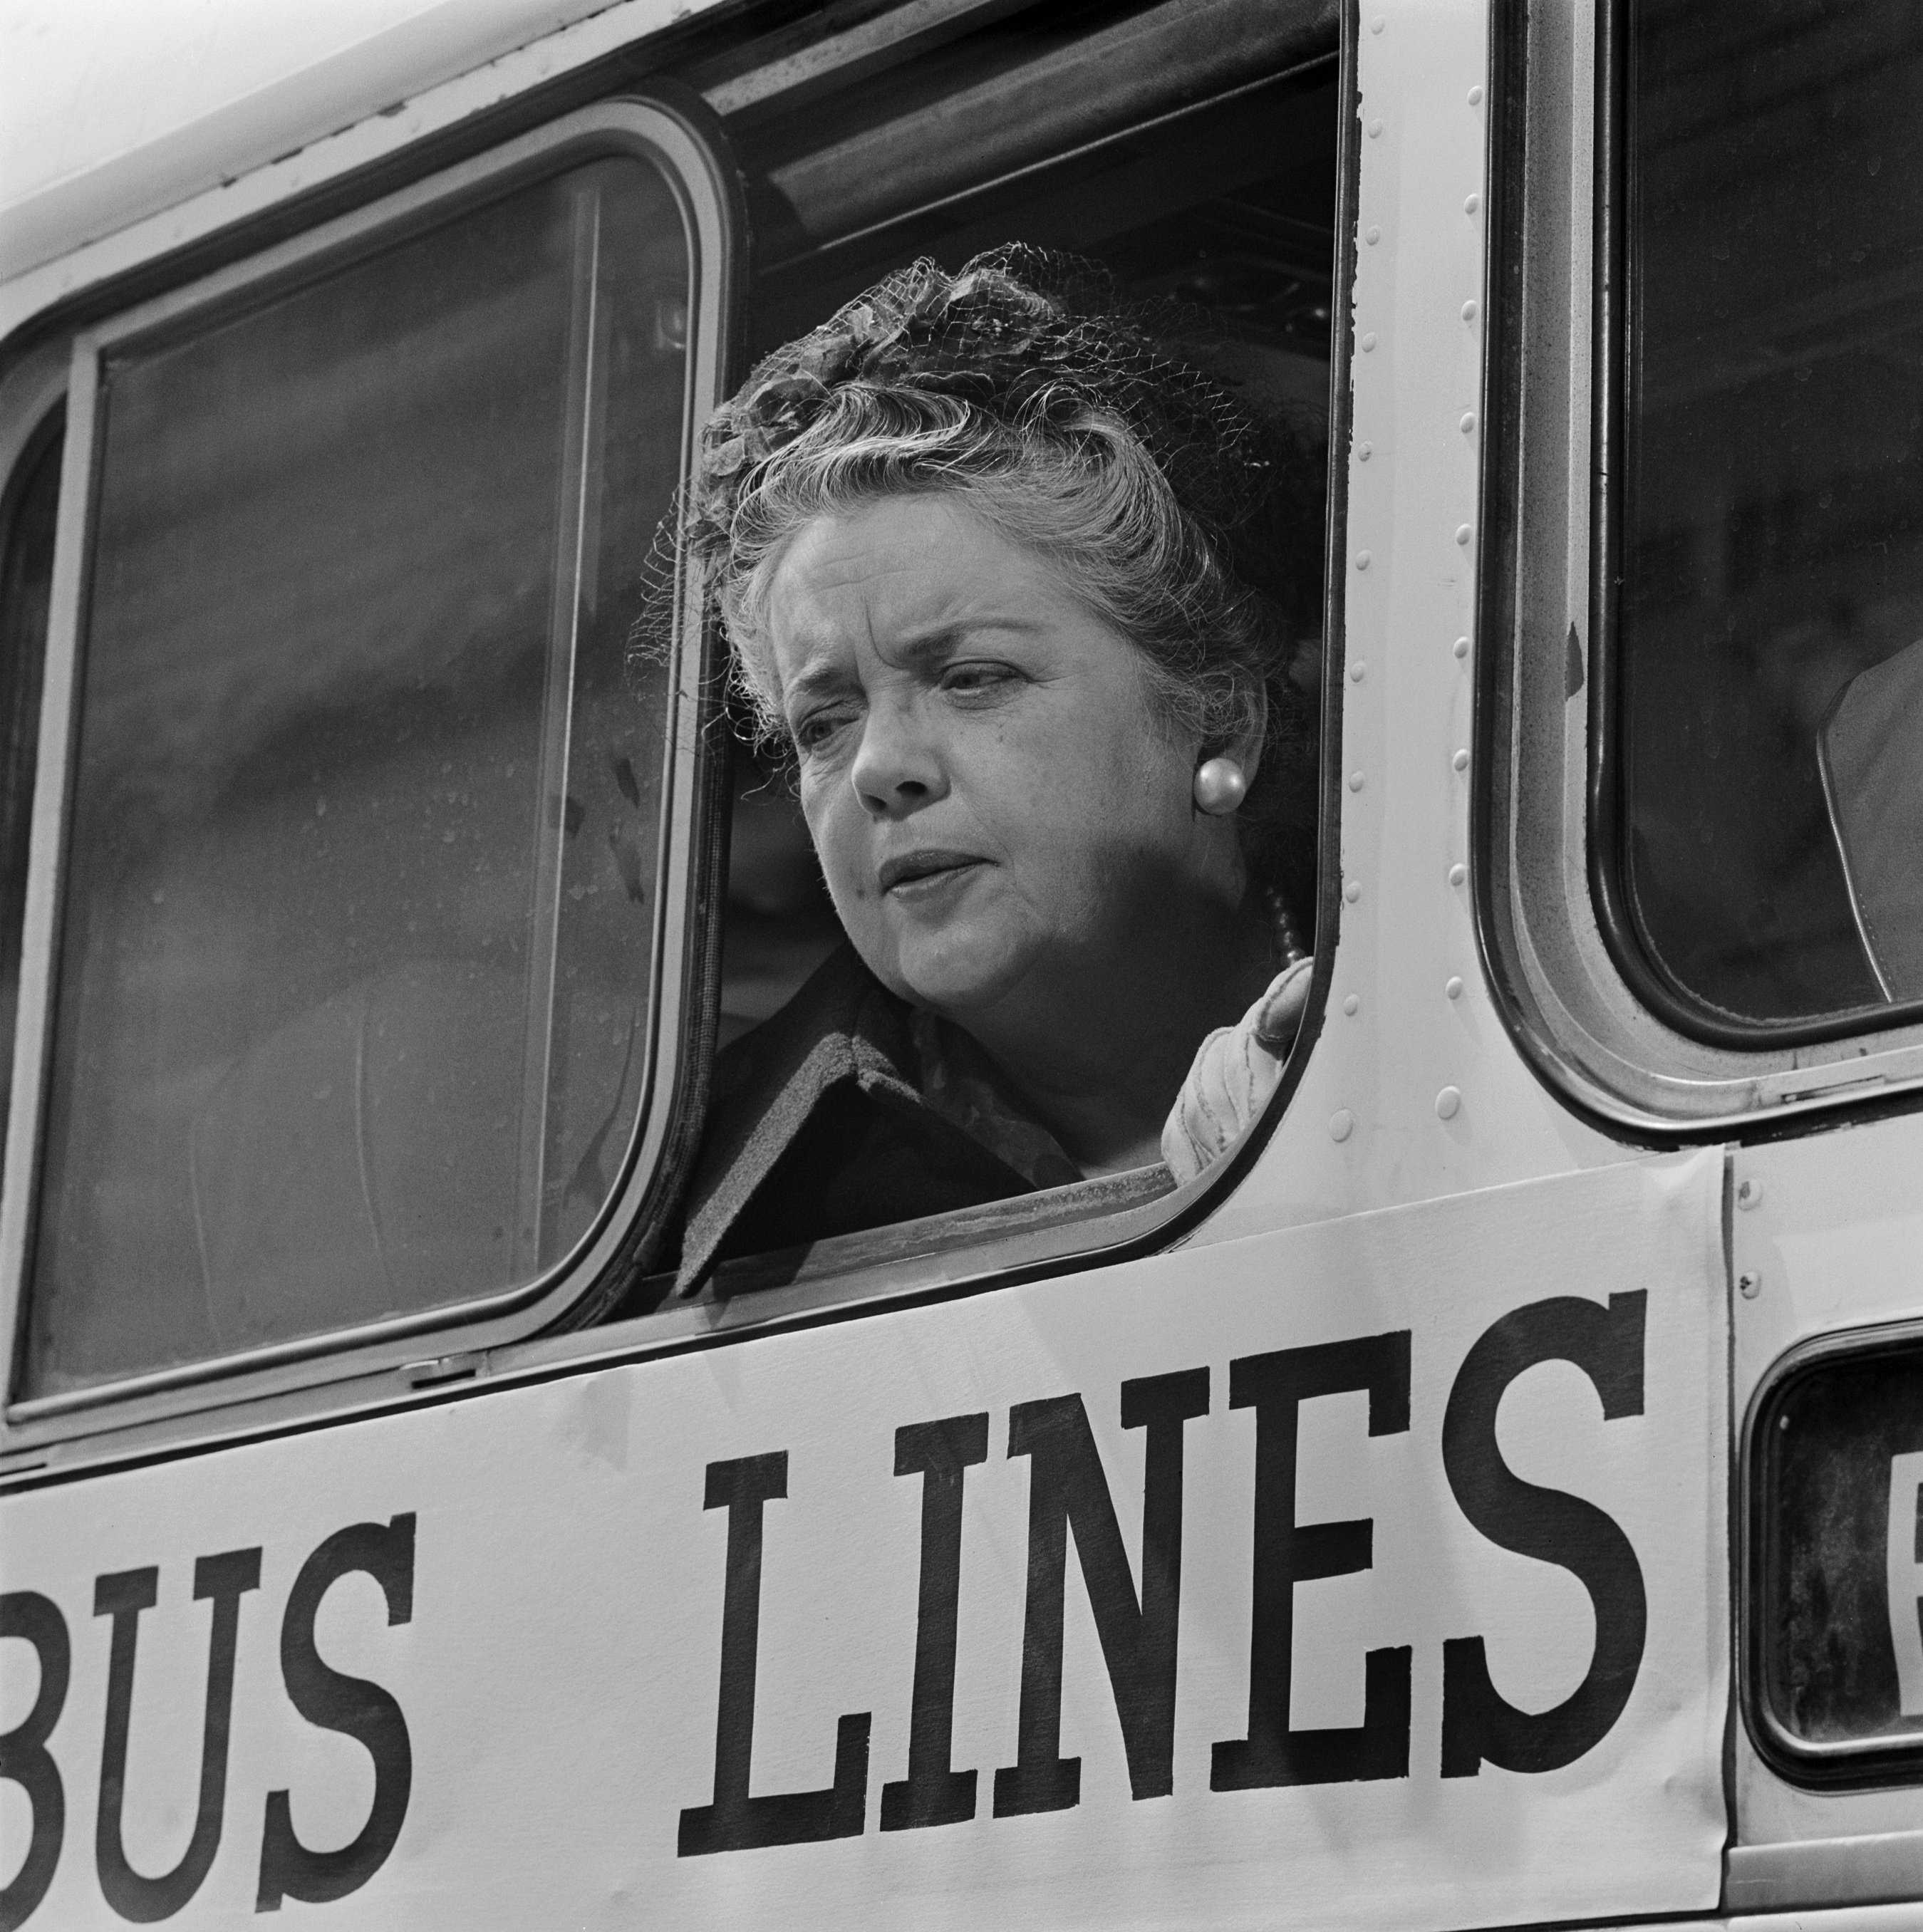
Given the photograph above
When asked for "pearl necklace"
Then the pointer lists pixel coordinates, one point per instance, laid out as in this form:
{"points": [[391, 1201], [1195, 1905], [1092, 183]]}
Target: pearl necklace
{"points": [[1288, 950]]}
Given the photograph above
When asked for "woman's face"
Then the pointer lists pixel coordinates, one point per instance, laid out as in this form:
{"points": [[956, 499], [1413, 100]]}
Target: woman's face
{"points": [[999, 812]]}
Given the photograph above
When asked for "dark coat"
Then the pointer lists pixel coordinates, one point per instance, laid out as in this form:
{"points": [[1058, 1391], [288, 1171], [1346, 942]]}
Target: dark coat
{"points": [[817, 1128]]}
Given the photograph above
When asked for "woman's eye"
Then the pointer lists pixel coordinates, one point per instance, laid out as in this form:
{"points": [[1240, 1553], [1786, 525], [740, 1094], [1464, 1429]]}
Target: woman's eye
{"points": [[815, 731], [973, 679]]}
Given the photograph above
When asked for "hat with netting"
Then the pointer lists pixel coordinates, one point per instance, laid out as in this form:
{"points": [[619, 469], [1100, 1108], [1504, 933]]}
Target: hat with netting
{"points": [[1034, 339]]}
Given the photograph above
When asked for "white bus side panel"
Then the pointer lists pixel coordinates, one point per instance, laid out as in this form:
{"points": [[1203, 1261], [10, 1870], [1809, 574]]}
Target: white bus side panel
{"points": [[555, 1646]]}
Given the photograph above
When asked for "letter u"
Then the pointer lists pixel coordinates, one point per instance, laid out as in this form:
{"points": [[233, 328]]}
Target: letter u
{"points": [[123, 1596]]}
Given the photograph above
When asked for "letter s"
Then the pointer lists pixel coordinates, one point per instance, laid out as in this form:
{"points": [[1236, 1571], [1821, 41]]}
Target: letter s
{"points": [[1479, 1724], [361, 1710]]}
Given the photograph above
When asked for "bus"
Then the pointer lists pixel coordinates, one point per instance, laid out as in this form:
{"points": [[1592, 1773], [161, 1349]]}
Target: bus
{"points": [[1490, 1495]]}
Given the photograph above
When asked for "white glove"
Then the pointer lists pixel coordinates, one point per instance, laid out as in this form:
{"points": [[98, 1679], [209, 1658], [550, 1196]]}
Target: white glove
{"points": [[1236, 1069]]}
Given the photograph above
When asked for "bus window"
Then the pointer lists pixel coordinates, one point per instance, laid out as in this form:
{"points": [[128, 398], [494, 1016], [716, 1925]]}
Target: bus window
{"points": [[1768, 730], [1835, 1688], [26, 575], [358, 958], [1222, 216]]}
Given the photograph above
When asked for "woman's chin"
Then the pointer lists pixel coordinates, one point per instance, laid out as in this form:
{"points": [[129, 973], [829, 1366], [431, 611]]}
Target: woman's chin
{"points": [[953, 972]]}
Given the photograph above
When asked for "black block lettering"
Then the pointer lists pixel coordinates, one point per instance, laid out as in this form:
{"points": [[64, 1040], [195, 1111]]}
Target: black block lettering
{"points": [[123, 1596], [1287, 1553], [933, 1793], [735, 1822], [351, 1705], [1479, 1725], [1067, 1490], [25, 1758]]}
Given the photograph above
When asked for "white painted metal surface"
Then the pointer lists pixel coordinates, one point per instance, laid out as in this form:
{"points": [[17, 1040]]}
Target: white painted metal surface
{"points": [[97, 93], [1370, 1124], [131, 129]]}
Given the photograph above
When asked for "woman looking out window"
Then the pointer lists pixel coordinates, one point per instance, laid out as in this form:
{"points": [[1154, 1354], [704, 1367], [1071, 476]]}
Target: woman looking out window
{"points": [[1012, 578]]}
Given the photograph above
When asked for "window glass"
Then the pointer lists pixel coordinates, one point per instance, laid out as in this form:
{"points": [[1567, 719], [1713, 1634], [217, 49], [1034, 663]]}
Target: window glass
{"points": [[1836, 1611], [26, 575], [354, 973], [1771, 708]]}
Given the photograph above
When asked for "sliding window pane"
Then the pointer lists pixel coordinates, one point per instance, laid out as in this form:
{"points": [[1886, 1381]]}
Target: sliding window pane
{"points": [[354, 978]]}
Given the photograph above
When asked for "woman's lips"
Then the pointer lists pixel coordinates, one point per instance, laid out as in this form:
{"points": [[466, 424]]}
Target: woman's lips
{"points": [[928, 868]]}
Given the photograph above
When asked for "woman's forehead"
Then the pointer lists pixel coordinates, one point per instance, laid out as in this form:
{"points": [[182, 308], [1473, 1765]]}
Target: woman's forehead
{"points": [[894, 573]]}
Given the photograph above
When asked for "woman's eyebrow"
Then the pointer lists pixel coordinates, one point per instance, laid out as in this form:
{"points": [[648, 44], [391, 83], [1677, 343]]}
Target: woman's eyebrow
{"points": [[919, 647]]}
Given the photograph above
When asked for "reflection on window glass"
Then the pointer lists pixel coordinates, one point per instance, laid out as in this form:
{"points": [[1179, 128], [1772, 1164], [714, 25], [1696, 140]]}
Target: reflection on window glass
{"points": [[354, 970], [1773, 531], [26, 575]]}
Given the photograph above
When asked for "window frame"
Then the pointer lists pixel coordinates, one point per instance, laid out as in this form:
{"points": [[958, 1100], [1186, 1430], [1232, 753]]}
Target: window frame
{"points": [[1112, 1220], [33, 395], [1571, 978], [1841, 1766], [685, 937]]}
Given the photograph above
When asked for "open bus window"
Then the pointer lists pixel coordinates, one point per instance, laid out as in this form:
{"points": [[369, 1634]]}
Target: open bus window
{"points": [[357, 958], [1229, 212], [1770, 681]]}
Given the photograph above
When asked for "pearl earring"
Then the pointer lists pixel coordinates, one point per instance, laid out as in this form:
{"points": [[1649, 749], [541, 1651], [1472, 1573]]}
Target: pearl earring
{"points": [[1220, 787]]}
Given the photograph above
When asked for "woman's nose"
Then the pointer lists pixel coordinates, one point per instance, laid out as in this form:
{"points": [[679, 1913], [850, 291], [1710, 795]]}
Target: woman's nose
{"points": [[896, 770]]}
